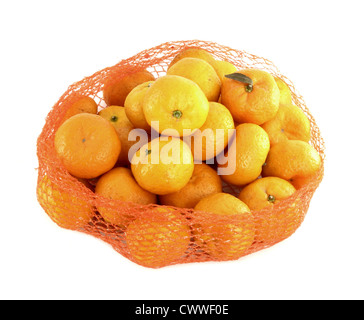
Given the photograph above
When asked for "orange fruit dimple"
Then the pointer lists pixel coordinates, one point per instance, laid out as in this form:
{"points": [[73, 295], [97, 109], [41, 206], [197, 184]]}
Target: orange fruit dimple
{"points": [[134, 106], [115, 92], [254, 105], [65, 209], [116, 116], [227, 231], [162, 166], [213, 137], [119, 184], [290, 123], [292, 160], [200, 72], [252, 146], [175, 103], [87, 145], [160, 240], [204, 182]]}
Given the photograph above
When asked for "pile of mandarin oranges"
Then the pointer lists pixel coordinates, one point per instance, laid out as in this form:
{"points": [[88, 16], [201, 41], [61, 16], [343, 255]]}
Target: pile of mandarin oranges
{"points": [[174, 141]]}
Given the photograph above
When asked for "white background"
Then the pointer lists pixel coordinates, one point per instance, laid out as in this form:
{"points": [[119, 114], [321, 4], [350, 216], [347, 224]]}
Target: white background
{"points": [[48, 45]]}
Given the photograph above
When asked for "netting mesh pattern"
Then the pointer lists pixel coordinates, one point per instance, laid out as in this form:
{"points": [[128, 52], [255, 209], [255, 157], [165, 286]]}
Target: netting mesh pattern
{"points": [[170, 235]]}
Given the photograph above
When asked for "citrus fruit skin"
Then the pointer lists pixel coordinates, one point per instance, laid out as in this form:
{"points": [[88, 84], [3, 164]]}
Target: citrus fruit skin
{"points": [[252, 147], [175, 103], [193, 53], [87, 145], [290, 123], [258, 105], [115, 92], [293, 160], [223, 68], [162, 166], [266, 192], [83, 105], [285, 92], [273, 225], [225, 239], [134, 106], [200, 72], [204, 182], [66, 210], [209, 141], [119, 184], [116, 116], [158, 241]]}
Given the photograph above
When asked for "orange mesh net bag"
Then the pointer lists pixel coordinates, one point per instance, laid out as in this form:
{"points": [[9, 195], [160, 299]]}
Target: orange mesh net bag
{"points": [[159, 236]]}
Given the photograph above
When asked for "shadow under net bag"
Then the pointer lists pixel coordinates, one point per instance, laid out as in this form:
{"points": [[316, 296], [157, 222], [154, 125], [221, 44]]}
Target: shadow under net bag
{"points": [[160, 236]]}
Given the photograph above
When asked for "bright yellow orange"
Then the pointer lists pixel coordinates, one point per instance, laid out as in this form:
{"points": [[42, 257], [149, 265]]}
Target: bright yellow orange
{"points": [[285, 92], [227, 231], [173, 104], [119, 184], [134, 106], [293, 160], [87, 145], [254, 103], [68, 211], [266, 192], [117, 118], [204, 182], [158, 240], [223, 68], [116, 91], [200, 72], [290, 123], [213, 137], [82, 105], [162, 166], [193, 53], [252, 146]]}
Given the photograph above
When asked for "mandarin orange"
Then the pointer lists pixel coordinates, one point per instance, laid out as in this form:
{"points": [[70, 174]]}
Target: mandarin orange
{"points": [[87, 145]]}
